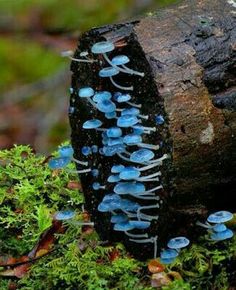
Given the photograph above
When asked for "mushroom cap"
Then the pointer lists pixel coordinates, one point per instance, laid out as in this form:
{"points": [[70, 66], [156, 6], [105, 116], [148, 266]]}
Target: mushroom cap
{"points": [[111, 115], [141, 155], [129, 188], [102, 47], [132, 139], [108, 206], [127, 121], [106, 106], [64, 215], [86, 92], [94, 148], [114, 132], [86, 150], [117, 168], [107, 72], [112, 150], [178, 243], [167, 261], [123, 227], [92, 124], [96, 185], [120, 59], [66, 151], [95, 172], [220, 236], [111, 197], [119, 218], [129, 205], [101, 96], [138, 129], [219, 228], [159, 119], [113, 178], [130, 111], [114, 141], [141, 225], [122, 98], [220, 217], [59, 162], [169, 254], [129, 173]]}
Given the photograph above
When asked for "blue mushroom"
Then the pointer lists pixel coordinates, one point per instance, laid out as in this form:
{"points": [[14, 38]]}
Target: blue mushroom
{"points": [[87, 92], [124, 98], [122, 60], [178, 243], [102, 96], [106, 106], [223, 235], [64, 215], [114, 132], [119, 218], [127, 121], [117, 168], [220, 217]]}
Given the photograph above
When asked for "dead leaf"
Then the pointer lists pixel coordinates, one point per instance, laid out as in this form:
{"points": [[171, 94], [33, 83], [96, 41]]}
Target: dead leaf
{"points": [[154, 266]]}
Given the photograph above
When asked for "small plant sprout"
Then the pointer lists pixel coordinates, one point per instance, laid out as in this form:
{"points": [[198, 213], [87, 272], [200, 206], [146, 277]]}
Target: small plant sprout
{"points": [[87, 93], [83, 55], [122, 60], [110, 72], [125, 98]]}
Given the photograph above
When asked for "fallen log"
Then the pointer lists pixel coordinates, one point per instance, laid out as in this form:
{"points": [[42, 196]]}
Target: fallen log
{"points": [[187, 54]]}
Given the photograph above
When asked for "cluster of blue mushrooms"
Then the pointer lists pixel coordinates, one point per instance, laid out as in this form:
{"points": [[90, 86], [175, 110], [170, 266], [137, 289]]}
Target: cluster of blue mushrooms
{"points": [[216, 227], [174, 245], [136, 179]]}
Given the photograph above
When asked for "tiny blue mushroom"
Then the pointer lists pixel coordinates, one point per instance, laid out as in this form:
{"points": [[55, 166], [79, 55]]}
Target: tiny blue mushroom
{"points": [[220, 217], [133, 111], [178, 243], [127, 121], [106, 106], [119, 218], [136, 140], [69, 54], [87, 92], [111, 115], [141, 225], [128, 205], [129, 188], [124, 98], [122, 60], [219, 228], [68, 151], [169, 254], [94, 148], [123, 227], [117, 168], [109, 72], [102, 96], [113, 178], [159, 119], [129, 173], [97, 186], [59, 162], [95, 172], [220, 236], [64, 215], [112, 150], [141, 156], [114, 132], [93, 124], [111, 197], [86, 150], [114, 141]]}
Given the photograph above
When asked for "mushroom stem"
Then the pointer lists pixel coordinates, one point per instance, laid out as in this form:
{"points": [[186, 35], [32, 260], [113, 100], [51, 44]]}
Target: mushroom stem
{"points": [[134, 105], [203, 225], [80, 171], [154, 189], [149, 146], [131, 71], [146, 197], [148, 129], [136, 235], [79, 162], [121, 87], [159, 160], [92, 103], [150, 166], [139, 214], [151, 175], [129, 214], [82, 60], [123, 157], [148, 180], [147, 217]]}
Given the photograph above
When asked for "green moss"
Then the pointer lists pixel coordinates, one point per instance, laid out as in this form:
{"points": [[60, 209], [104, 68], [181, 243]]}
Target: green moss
{"points": [[30, 193]]}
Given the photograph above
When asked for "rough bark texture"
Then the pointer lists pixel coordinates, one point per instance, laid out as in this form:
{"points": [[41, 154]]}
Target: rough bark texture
{"points": [[188, 55]]}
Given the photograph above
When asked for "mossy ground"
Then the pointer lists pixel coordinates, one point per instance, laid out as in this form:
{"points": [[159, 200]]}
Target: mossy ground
{"points": [[30, 193]]}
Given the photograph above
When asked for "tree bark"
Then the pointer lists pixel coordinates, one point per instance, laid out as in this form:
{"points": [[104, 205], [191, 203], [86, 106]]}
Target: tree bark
{"points": [[188, 55]]}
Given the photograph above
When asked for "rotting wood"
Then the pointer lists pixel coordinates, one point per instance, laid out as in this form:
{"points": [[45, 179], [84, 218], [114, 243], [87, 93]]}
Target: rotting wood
{"points": [[188, 55]]}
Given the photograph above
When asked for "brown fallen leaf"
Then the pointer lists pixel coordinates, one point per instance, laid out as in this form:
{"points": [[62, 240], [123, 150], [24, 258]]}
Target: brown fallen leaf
{"points": [[154, 266]]}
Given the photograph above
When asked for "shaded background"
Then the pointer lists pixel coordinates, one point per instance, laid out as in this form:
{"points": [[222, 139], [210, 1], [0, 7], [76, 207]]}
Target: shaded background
{"points": [[34, 78]]}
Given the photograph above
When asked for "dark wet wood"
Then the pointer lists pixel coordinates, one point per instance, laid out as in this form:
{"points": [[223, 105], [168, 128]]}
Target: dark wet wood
{"points": [[188, 55]]}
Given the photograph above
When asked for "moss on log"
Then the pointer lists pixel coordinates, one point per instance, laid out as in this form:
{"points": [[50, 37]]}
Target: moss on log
{"points": [[188, 55]]}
